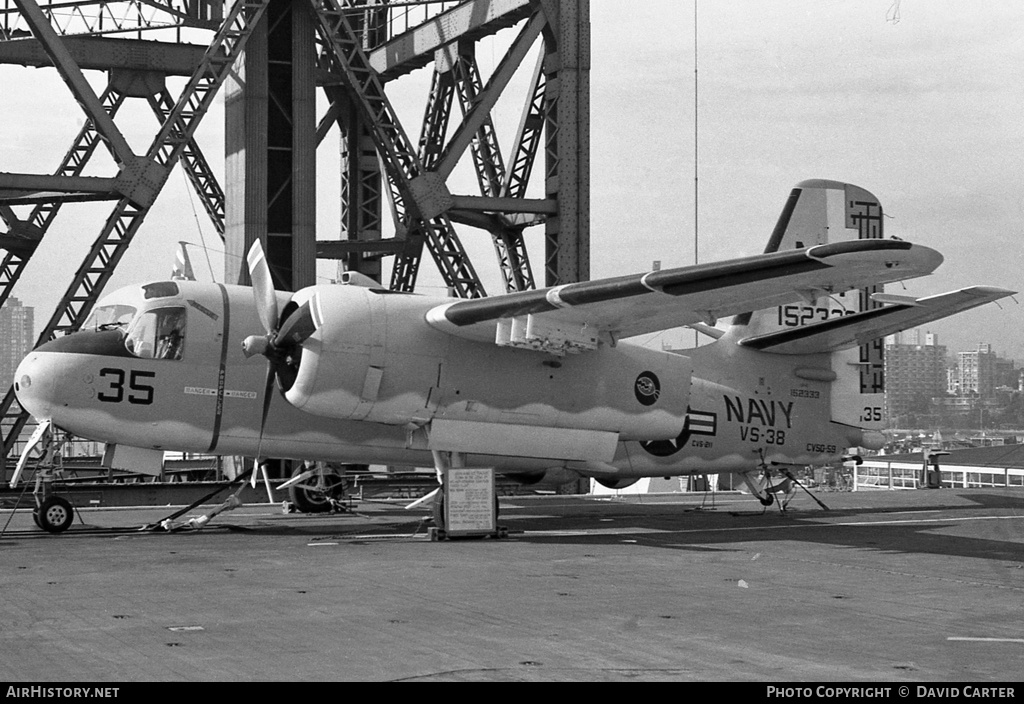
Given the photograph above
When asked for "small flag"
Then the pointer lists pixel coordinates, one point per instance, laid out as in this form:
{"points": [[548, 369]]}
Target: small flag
{"points": [[701, 422]]}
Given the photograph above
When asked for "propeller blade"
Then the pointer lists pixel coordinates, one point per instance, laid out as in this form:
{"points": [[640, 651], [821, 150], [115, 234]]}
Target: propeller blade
{"points": [[262, 287], [296, 328], [298, 478], [267, 396], [423, 499]]}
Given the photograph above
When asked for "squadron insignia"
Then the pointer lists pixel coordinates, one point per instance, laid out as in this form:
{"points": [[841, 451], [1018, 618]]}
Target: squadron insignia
{"points": [[647, 388]]}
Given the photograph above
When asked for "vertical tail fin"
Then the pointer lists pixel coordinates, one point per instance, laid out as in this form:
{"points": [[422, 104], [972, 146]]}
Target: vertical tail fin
{"points": [[819, 212]]}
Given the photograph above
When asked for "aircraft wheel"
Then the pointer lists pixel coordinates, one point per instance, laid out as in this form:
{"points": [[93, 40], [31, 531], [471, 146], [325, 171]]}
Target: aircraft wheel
{"points": [[768, 501], [314, 494], [54, 515]]}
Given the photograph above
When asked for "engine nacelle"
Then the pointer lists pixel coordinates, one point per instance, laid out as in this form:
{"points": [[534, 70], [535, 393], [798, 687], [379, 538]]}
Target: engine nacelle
{"points": [[548, 479], [618, 483], [375, 358]]}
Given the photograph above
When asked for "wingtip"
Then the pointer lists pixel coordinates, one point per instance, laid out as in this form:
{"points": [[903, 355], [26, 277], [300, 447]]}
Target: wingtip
{"points": [[930, 258], [993, 291], [920, 258]]}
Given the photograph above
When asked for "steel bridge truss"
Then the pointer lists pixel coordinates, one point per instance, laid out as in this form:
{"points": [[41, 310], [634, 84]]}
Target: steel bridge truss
{"points": [[361, 45], [134, 189]]}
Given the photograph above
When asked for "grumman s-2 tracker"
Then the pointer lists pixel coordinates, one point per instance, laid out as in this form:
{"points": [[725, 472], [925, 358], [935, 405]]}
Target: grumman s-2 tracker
{"points": [[542, 386]]}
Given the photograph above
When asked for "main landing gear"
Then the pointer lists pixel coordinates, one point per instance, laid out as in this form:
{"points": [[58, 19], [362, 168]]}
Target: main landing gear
{"points": [[760, 483], [317, 488]]}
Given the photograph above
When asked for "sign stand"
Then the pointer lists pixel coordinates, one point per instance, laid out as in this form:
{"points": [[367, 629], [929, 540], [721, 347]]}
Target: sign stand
{"points": [[469, 505]]}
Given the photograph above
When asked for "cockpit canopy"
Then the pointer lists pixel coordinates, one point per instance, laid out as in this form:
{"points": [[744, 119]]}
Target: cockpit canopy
{"points": [[158, 333], [105, 317], [153, 326]]}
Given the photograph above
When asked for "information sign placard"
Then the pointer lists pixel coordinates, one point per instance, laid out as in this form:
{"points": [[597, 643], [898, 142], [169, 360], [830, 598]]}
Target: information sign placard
{"points": [[469, 501]]}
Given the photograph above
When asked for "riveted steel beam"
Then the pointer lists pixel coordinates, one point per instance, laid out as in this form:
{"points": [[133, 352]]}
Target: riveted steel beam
{"points": [[109, 53], [467, 21], [419, 197], [76, 82]]}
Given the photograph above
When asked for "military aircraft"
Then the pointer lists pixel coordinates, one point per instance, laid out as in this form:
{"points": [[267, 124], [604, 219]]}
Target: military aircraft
{"points": [[540, 385]]}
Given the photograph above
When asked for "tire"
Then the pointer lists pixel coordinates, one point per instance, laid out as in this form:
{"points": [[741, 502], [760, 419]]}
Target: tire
{"points": [[312, 497], [55, 514]]}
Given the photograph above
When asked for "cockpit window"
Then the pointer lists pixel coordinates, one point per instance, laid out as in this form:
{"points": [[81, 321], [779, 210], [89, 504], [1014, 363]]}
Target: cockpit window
{"points": [[109, 316], [158, 334], [162, 289]]}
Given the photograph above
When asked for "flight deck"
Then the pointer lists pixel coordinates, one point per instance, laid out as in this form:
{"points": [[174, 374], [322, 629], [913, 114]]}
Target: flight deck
{"points": [[906, 586]]}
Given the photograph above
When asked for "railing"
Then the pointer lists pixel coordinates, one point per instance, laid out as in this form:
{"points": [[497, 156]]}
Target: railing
{"points": [[120, 17], [403, 16], [870, 477], [114, 17], [904, 475]]}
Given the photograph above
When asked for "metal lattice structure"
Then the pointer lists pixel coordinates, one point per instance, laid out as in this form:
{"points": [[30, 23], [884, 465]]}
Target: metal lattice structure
{"points": [[350, 50], [138, 182]]}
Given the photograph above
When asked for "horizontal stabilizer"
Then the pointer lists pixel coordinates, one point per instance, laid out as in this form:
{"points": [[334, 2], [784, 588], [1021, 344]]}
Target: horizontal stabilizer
{"points": [[842, 333]]}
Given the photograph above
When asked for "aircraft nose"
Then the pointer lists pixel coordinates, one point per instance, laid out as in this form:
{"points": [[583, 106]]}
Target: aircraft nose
{"points": [[34, 384]]}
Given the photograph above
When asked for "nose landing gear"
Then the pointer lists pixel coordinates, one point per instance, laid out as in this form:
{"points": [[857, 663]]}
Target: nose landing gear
{"points": [[52, 513]]}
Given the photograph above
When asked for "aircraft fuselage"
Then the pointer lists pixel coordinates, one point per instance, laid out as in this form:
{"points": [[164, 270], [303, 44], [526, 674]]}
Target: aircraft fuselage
{"points": [[715, 409]]}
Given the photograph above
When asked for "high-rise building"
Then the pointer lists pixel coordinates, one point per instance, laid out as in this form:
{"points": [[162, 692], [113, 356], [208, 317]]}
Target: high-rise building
{"points": [[977, 371], [17, 324], [1006, 374], [915, 372]]}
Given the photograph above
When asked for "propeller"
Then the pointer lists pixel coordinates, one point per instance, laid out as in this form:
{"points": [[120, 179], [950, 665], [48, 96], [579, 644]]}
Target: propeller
{"points": [[285, 332]]}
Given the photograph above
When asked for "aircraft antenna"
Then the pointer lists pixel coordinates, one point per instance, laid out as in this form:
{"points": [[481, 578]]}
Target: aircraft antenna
{"points": [[696, 221], [199, 228], [696, 250]]}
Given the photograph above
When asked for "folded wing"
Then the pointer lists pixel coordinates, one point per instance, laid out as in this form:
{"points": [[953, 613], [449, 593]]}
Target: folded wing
{"points": [[904, 313], [574, 317]]}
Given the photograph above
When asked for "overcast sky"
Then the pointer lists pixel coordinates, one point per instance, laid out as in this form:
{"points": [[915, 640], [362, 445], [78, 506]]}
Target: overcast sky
{"points": [[926, 112]]}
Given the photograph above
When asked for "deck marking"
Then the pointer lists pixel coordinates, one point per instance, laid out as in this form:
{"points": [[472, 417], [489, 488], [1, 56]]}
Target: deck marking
{"points": [[596, 531], [844, 523], [627, 530]]}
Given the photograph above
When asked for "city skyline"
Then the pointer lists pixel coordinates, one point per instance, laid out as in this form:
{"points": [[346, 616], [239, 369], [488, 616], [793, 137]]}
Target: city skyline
{"points": [[17, 337]]}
